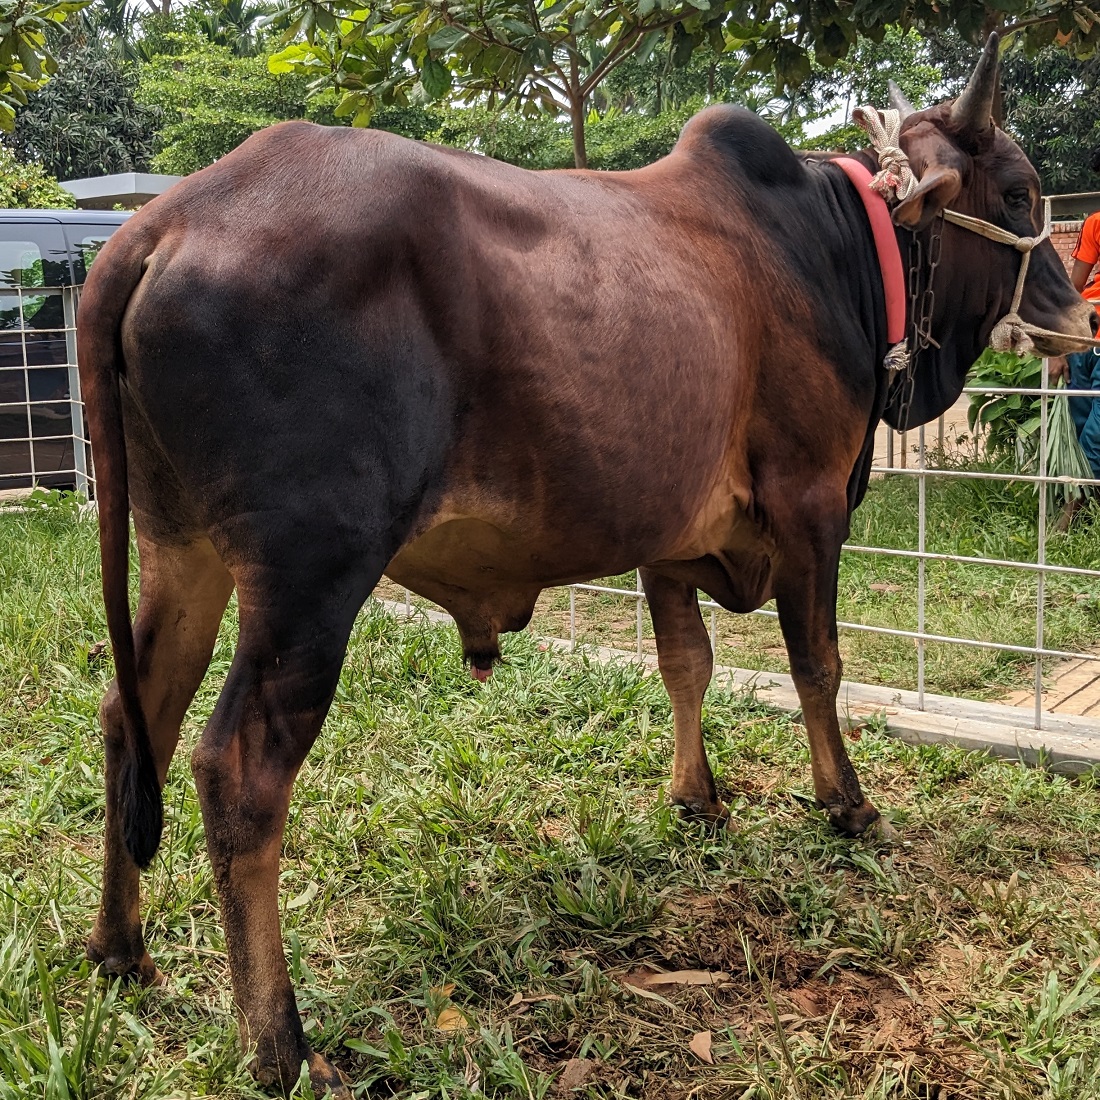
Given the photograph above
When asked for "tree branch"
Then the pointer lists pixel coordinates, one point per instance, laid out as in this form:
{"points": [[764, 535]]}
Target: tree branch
{"points": [[1034, 21], [621, 50]]}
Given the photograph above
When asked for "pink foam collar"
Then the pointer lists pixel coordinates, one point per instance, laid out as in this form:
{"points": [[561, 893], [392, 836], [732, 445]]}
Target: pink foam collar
{"points": [[886, 245]]}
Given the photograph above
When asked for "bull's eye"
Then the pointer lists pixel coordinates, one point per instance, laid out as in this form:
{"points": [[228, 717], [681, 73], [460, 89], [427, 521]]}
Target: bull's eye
{"points": [[1018, 197]]}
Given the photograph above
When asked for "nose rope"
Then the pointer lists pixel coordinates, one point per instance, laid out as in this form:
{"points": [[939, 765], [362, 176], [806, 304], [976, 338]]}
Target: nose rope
{"points": [[895, 181], [1011, 332]]}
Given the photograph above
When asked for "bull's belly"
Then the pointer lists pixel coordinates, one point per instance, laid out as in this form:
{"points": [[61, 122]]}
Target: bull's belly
{"points": [[492, 575], [489, 578]]}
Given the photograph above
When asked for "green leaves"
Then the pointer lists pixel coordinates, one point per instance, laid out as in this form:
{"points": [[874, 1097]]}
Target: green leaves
{"points": [[537, 55], [436, 78], [25, 58], [27, 186]]}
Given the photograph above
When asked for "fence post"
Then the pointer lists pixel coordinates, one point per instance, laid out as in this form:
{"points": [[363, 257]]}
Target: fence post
{"points": [[1044, 489], [922, 546], [80, 453]]}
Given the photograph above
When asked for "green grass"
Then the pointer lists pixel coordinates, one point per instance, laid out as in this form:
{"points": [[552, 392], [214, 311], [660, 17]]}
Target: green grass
{"points": [[504, 859]]}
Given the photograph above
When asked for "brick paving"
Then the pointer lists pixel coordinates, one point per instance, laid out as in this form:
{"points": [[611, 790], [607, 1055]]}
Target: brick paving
{"points": [[1072, 687]]}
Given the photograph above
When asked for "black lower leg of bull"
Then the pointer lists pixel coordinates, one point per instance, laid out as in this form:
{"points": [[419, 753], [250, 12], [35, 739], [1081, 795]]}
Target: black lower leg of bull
{"points": [[278, 692], [184, 591], [806, 596], [686, 662]]}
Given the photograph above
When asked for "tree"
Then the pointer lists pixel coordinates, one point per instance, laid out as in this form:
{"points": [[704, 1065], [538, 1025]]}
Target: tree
{"points": [[27, 186], [26, 62], [539, 55], [1052, 108], [113, 22], [553, 55], [235, 24], [638, 114], [210, 100], [85, 121]]}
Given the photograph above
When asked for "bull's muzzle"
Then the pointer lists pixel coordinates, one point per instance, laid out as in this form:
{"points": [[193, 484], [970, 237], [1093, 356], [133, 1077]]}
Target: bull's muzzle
{"points": [[1073, 332]]}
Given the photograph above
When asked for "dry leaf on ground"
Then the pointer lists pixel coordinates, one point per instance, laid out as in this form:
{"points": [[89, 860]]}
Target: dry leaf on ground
{"points": [[701, 1047], [450, 1019], [532, 998], [649, 980], [574, 1073]]}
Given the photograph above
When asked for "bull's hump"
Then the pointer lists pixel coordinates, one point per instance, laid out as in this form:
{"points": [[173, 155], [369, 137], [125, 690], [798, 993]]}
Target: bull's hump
{"points": [[745, 143]]}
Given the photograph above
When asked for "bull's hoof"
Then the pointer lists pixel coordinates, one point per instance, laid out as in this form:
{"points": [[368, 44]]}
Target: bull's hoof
{"points": [[326, 1079], [855, 820], [711, 813], [882, 832], [274, 1072], [123, 965]]}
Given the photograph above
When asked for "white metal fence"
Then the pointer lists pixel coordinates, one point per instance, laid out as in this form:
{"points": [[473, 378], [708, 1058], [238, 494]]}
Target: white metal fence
{"points": [[923, 471], [43, 443]]}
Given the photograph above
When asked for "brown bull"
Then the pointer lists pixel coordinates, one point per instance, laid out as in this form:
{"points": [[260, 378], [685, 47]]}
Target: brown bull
{"points": [[337, 354]]}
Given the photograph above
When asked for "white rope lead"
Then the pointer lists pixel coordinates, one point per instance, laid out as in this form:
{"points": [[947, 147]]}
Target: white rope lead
{"points": [[895, 180], [1011, 332]]}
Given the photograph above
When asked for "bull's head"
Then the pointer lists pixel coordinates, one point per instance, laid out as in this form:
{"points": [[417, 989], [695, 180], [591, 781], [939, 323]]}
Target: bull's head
{"points": [[965, 163]]}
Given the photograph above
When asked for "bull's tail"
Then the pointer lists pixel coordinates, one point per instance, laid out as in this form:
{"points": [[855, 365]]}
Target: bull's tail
{"points": [[110, 284]]}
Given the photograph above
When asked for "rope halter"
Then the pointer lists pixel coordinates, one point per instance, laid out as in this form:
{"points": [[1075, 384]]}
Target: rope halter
{"points": [[895, 181], [1011, 332]]}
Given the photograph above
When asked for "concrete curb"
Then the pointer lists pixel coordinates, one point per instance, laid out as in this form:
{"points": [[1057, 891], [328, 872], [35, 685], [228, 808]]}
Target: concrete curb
{"points": [[1068, 744]]}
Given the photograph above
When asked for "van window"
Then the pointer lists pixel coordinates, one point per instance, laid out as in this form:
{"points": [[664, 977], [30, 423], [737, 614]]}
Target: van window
{"points": [[31, 256], [87, 240]]}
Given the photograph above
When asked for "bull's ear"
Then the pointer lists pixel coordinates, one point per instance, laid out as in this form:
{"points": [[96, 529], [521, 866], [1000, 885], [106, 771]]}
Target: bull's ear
{"points": [[938, 187]]}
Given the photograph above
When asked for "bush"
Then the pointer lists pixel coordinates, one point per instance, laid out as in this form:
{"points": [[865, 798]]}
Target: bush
{"points": [[1009, 422], [27, 186]]}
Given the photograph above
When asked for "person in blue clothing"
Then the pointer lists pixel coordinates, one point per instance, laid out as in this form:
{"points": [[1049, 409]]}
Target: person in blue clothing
{"points": [[1082, 369]]}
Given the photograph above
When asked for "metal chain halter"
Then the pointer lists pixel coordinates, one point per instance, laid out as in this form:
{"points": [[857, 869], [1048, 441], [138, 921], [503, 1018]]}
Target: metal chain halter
{"points": [[922, 302]]}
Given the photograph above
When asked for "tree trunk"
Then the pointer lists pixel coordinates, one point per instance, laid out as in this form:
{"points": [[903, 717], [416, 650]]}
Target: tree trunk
{"points": [[576, 112], [576, 117]]}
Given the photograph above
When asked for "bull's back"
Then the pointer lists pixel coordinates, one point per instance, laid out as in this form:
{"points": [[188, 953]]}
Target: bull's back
{"points": [[326, 304]]}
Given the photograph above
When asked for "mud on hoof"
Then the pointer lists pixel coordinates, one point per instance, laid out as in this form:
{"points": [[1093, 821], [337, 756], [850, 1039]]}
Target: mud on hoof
{"points": [[283, 1072], [326, 1079], [882, 832], [855, 820], [712, 813], [124, 965]]}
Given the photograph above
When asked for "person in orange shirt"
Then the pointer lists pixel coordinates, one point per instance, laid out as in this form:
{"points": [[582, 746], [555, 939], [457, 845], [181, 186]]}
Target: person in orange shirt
{"points": [[1084, 367]]}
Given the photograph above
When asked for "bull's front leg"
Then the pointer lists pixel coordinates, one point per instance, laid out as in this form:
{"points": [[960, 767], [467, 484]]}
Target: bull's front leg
{"points": [[686, 663], [806, 594]]}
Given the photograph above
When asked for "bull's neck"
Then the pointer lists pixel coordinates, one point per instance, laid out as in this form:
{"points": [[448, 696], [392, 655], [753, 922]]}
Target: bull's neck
{"points": [[958, 326], [939, 372]]}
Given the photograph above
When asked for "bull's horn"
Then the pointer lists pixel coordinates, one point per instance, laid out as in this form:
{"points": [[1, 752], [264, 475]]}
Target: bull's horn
{"points": [[972, 111], [898, 101]]}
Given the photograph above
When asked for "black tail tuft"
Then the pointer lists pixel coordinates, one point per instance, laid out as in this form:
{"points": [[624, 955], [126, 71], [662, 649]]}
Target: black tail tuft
{"points": [[141, 808]]}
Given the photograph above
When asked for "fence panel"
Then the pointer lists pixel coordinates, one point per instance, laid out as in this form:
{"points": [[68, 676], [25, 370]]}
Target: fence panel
{"points": [[43, 442]]}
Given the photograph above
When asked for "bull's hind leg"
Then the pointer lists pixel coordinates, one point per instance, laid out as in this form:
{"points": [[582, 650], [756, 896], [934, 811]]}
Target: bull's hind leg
{"points": [[295, 624], [184, 590], [686, 663], [806, 593]]}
